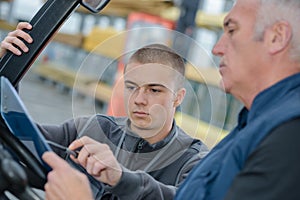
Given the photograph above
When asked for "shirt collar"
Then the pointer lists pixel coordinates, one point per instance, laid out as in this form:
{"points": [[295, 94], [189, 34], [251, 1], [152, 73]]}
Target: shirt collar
{"points": [[133, 139], [265, 99]]}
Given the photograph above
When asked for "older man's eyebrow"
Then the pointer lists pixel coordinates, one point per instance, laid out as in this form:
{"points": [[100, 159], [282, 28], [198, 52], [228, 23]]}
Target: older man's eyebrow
{"points": [[228, 22]]}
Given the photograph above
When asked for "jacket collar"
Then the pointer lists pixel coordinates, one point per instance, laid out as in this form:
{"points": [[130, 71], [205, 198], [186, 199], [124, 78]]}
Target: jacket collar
{"points": [[133, 142], [266, 99]]}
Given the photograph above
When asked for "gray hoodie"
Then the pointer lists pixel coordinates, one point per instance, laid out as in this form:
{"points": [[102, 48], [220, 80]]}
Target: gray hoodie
{"points": [[150, 171]]}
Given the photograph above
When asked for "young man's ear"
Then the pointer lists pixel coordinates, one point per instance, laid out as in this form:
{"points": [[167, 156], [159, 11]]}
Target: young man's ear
{"points": [[279, 36], [179, 97]]}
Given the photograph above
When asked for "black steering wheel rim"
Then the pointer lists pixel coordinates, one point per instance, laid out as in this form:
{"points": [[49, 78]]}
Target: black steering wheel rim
{"points": [[32, 166]]}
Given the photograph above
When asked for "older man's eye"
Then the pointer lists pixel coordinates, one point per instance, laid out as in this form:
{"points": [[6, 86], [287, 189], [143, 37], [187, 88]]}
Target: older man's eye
{"points": [[231, 31]]}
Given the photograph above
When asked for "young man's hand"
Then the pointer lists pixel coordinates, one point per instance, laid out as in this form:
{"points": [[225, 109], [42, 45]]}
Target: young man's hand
{"points": [[98, 160]]}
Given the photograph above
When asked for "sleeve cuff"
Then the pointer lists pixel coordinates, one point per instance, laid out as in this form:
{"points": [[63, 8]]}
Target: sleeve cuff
{"points": [[129, 184]]}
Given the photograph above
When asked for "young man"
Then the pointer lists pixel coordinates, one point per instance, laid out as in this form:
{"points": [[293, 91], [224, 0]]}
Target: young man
{"points": [[260, 65], [144, 155]]}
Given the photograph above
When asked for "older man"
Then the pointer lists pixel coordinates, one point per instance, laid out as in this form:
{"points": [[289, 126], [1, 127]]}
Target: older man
{"points": [[260, 65]]}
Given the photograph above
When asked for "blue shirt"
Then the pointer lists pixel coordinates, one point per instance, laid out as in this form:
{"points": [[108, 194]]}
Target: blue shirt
{"points": [[214, 174]]}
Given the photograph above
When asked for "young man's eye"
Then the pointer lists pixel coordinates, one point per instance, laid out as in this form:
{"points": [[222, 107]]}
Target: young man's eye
{"points": [[153, 90], [130, 87]]}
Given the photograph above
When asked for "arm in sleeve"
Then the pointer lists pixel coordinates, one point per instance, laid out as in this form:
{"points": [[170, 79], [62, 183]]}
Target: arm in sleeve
{"points": [[62, 134], [273, 170], [140, 185]]}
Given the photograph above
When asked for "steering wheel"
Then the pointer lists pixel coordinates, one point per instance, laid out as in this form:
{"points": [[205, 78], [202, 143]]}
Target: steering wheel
{"points": [[24, 158]]}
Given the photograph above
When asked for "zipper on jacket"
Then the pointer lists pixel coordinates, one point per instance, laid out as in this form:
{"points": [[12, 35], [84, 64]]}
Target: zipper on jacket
{"points": [[140, 145]]}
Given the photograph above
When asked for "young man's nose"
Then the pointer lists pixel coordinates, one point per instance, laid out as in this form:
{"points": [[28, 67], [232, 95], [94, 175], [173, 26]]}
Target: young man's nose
{"points": [[140, 96]]}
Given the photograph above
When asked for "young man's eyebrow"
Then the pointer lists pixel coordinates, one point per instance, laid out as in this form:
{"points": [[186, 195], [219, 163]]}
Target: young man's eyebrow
{"points": [[148, 85], [130, 82], [156, 85]]}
